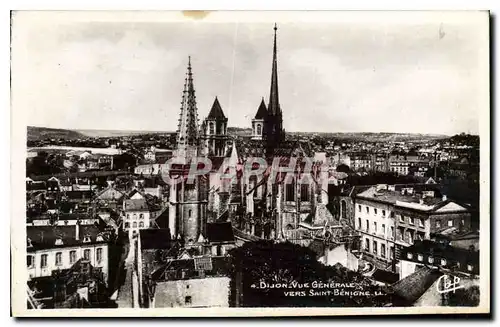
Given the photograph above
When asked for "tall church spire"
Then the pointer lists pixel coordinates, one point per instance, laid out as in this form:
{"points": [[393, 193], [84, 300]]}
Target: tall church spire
{"points": [[187, 130], [274, 103]]}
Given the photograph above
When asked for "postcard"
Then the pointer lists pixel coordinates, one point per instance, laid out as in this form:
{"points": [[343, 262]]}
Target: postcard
{"points": [[250, 163]]}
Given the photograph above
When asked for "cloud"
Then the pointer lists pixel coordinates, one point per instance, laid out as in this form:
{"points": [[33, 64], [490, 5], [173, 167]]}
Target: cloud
{"points": [[332, 77]]}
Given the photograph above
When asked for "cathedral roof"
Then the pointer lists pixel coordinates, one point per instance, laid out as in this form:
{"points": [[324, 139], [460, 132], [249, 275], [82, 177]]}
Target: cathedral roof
{"points": [[262, 111], [216, 111]]}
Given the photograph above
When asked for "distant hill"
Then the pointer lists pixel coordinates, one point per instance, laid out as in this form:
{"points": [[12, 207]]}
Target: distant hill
{"points": [[114, 133], [238, 131], [42, 133], [376, 137], [39, 133]]}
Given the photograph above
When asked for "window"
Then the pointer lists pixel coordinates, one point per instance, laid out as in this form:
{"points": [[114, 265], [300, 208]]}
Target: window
{"points": [[470, 267], [128, 216], [375, 210], [290, 192], [58, 258], [391, 214], [29, 261], [72, 257], [382, 250], [431, 260], [134, 224], [375, 227], [187, 300], [304, 196], [98, 254], [420, 257], [438, 224], [141, 224], [410, 237], [382, 230], [409, 255], [86, 254], [43, 261], [359, 207], [367, 209], [359, 224], [375, 247], [86, 239], [367, 226], [259, 129], [402, 218], [421, 222], [392, 232], [450, 223], [411, 220], [127, 225], [443, 262], [59, 241], [367, 245], [190, 212], [212, 128], [383, 213], [141, 216]]}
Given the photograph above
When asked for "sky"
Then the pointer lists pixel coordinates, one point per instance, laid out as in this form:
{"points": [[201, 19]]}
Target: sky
{"points": [[335, 75]]}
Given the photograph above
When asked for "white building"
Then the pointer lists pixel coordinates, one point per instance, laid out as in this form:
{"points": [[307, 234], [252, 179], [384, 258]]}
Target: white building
{"points": [[136, 214], [51, 248]]}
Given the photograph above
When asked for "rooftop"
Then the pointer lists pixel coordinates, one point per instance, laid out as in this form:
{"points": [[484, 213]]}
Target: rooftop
{"points": [[135, 205], [412, 287], [44, 237], [220, 232]]}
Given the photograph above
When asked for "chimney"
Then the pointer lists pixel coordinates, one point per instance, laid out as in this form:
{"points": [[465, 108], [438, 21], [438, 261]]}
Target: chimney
{"points": [[77, 230]]}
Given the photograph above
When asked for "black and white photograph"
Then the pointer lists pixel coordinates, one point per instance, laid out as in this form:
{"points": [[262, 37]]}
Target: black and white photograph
{"points": [[287, 163]]}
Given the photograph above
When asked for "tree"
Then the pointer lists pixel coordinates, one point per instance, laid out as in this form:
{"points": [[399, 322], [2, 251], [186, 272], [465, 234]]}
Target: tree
{"points": [[261, 272]]}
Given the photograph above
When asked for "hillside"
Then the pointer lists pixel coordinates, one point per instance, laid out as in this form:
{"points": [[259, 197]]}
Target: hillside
{"points": [[43, 133]]}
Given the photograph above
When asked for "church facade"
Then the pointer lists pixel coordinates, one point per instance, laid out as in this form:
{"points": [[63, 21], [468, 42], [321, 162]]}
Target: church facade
{"points": [[289, 200]]}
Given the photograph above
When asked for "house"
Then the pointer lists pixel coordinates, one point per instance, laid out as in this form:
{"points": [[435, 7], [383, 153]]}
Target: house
{"points": [[150, 154], [219, 238], [80, 286], [136, 213], [438, 255], [200, 282], [391, 217], [52, 248]]}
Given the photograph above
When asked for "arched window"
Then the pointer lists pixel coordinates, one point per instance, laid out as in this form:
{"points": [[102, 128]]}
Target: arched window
{"points": [[259, 129], [141, 224], [127, 225], [189, 213], [212, 128], [141, 216], [134, 225]]}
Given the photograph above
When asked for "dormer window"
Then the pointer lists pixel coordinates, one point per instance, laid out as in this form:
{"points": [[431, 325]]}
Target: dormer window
{"points": [[86, 239], [59, 241], [30, 245], [420, 257], [443, 262], [470, 267], [409, 255], [99, 238], [431, 260]]}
